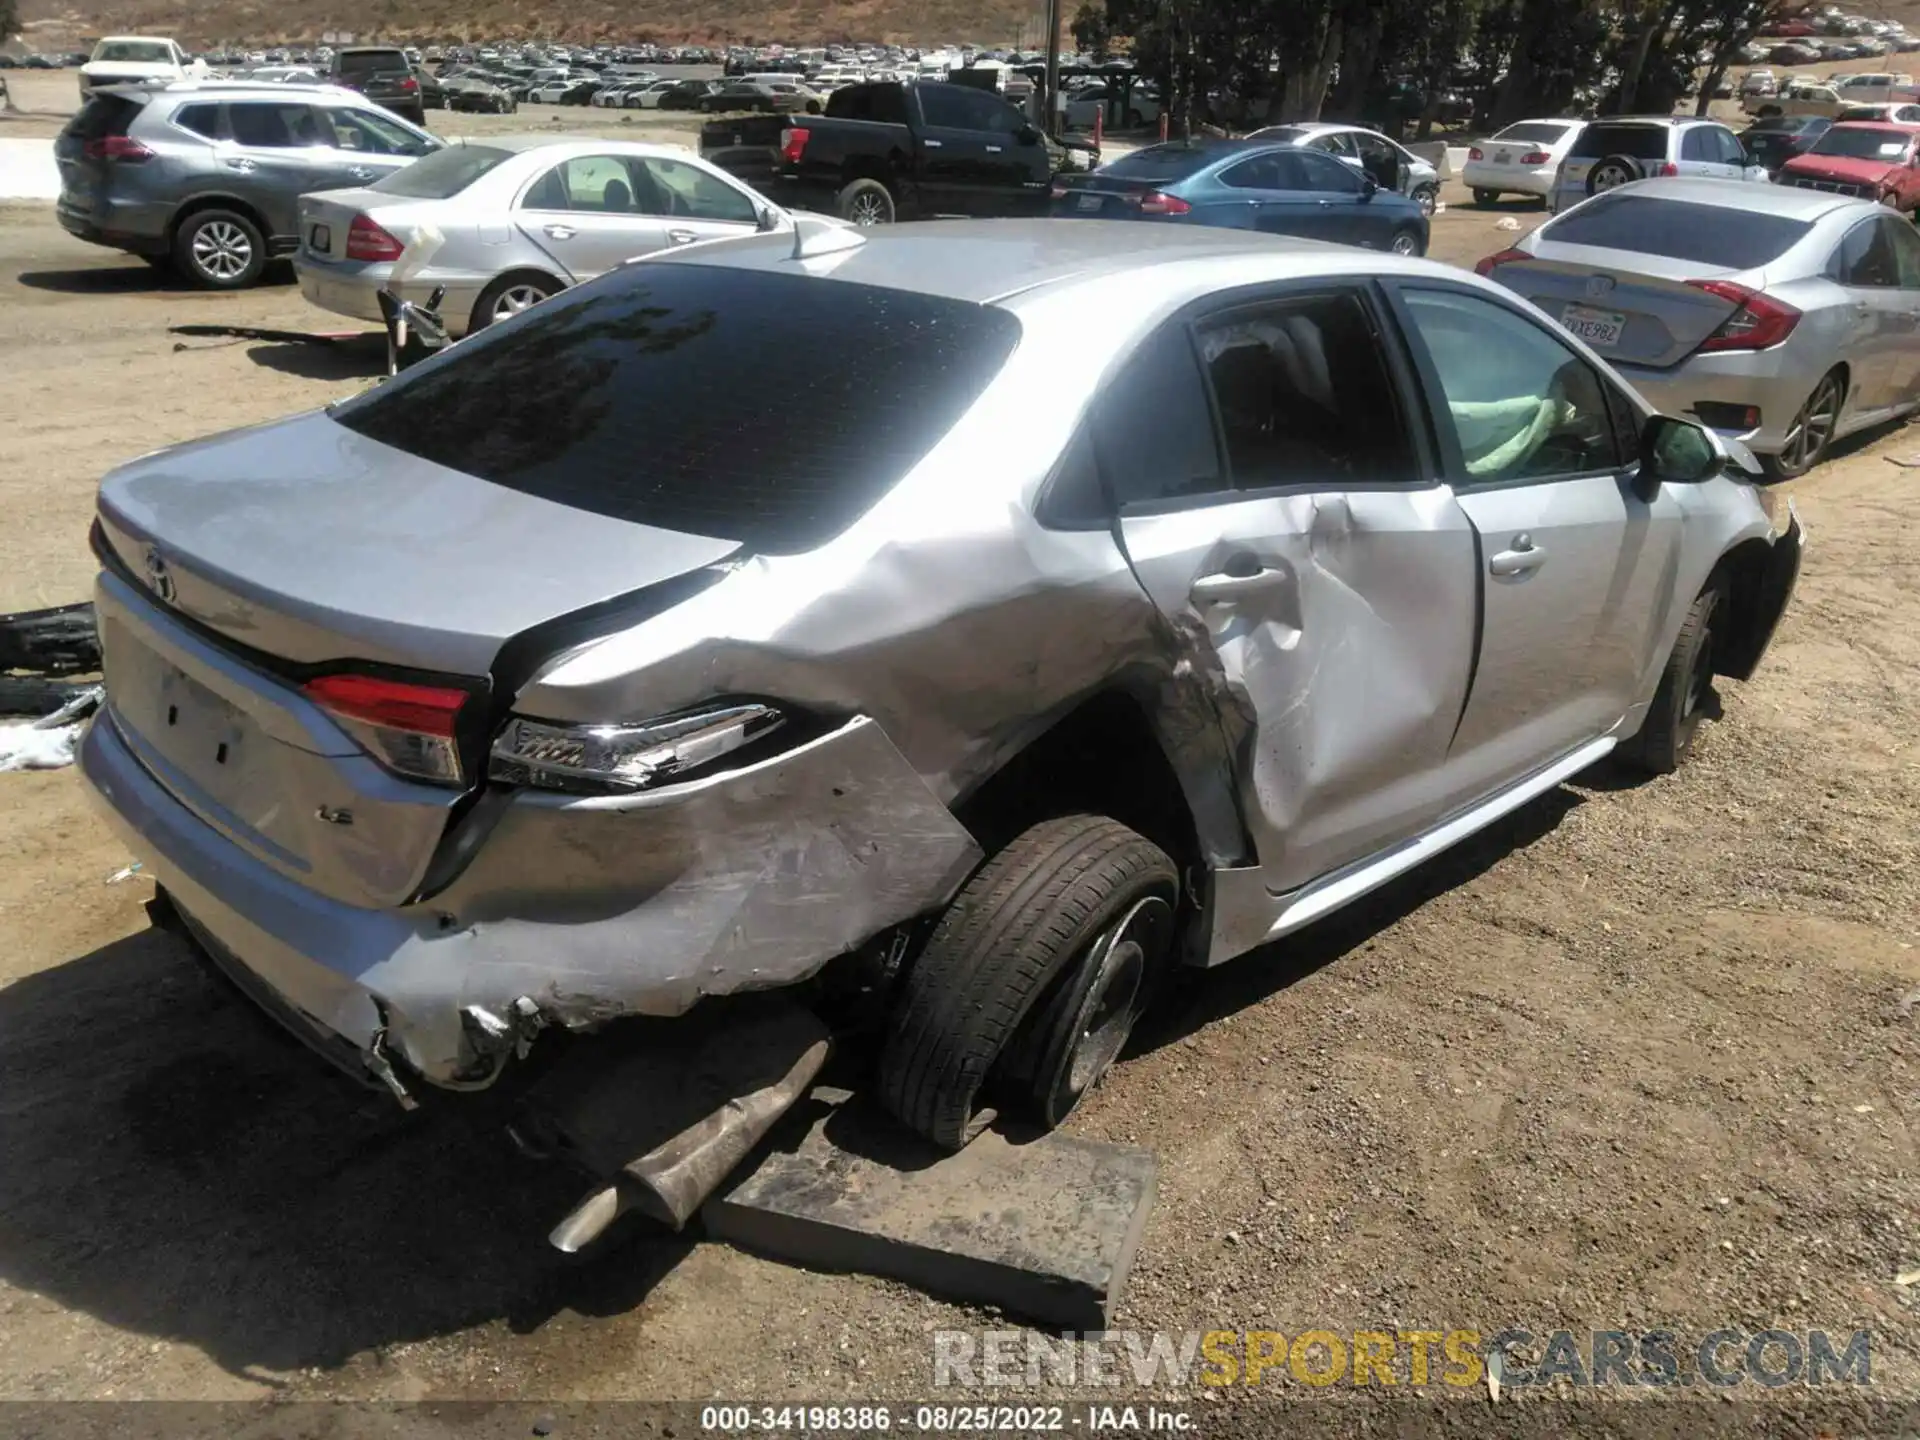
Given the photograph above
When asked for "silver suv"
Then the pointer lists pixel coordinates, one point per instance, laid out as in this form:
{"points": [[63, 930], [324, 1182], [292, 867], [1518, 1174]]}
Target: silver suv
{"points": [[1614, 152], [207, 176]]}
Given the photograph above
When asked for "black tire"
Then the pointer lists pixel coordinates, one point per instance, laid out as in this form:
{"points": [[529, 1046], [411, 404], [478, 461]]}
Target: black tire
{"points": [[1686, 685], [487, 311], [1427, 197], [1135, 120], [220, 250], [51, 642], [1813, 429], [1027, 919], [1406, 241], [1484, 198], [865, 202], [1617, 170]]}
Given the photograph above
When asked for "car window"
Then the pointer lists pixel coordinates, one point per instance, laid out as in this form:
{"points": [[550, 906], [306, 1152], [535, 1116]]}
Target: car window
{"points": [[1866, 258], [1537, 132], [1153, 433], [957, 107], [687, 190], [1639, 142], [1906, 251], [1322, 172], [372, 62], [372, 134], [1262, 172], [598, 184], [444, 173], [1738, 238], [1161, 163], [1336, 143], [1695, 145], [273, 125], [884, 103], [1727, 146], [1304, 395], [200, 119], [621, 398], [1518, 403], [1373, 147]]}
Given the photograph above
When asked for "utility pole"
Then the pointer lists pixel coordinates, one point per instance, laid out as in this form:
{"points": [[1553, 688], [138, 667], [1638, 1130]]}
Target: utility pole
{"points": [[1053, 66]]}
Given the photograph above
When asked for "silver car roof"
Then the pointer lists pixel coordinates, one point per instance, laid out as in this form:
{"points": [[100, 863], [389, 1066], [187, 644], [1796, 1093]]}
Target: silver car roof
{"points": [[983, 261]]}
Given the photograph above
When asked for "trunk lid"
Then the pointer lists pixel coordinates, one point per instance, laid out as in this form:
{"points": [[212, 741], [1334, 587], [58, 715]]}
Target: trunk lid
{"points": [[1101, 197], [1648, 315], [327, 216], [311, 543], [244, 564], [84, 178]]}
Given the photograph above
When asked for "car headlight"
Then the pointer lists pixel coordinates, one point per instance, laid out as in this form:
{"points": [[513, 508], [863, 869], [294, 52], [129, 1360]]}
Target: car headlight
{"points": [[620, 759]]}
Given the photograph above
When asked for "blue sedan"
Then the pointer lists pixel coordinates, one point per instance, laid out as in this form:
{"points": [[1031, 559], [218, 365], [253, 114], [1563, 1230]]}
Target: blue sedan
{"points": [[1247, 185]]}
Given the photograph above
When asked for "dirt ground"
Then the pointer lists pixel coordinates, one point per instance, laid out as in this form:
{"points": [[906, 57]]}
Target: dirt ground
{"points": [[1637, 1056]]}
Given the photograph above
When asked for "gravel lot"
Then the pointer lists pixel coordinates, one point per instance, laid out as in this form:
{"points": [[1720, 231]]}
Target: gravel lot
{"points": [[1637, 1056]]}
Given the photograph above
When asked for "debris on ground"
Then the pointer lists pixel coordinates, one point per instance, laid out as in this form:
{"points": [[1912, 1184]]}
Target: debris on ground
{"points": [[48, 743]]}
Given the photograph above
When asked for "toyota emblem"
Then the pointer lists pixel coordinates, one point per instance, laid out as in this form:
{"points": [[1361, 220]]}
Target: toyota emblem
{"points": [[159, 577], [1598, 285]]}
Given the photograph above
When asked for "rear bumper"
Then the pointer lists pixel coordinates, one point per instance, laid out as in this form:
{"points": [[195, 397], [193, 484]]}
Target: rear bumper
{"points": [[138, 228], [354, 290], [1508, 179], [573, 911], [1771, 381]]}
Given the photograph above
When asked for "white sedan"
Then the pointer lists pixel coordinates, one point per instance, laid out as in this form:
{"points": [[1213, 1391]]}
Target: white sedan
{"points": [[1520, 160]]}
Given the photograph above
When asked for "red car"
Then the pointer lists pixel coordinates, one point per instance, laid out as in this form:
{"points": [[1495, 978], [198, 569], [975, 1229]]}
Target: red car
{"points": [[1792, 29], [1873, 160]]}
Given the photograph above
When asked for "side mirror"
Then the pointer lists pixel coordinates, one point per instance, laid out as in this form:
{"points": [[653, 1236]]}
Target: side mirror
{"points": [[1369, 187], [766, 218], [1677, 452], [1027, 135]]}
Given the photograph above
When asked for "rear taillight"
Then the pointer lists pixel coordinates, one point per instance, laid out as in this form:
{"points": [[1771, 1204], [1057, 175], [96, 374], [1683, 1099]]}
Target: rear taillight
{"points": [[367, 241], [1476, 153], [1494, 262], [1535, 157], [793, 143], [1157, 202], [122, 148], [1059, 191], [407, 727], [1667, 170], [1757, 323], [409, 85], [616, 759]]}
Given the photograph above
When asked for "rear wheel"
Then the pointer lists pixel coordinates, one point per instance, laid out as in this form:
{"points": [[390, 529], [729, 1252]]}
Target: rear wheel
{"points": [[220, 250], [1811, 432], [1427, 197], [1405, 242], [1611, 173], [1485, 197], [1032, 980], [866, 202], [508, 297]]}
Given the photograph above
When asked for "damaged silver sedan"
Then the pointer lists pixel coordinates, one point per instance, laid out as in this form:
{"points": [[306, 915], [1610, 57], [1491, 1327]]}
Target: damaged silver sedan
{"points": [[782, 613]]}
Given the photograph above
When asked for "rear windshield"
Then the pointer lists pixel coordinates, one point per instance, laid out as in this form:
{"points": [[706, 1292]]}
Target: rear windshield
{"points": [[104, 115], [369, 62], [442, 174], [1638, 142], [1678, 230], [646, 396], [1161, 162], [134, 52], [1876, 142], [1537, 132], [885, 103]]}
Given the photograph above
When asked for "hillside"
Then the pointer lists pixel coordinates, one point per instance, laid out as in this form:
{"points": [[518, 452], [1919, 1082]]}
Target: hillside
{"points": [[60, 23]]}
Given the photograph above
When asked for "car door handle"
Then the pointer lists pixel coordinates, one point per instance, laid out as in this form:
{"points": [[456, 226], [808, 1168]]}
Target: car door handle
{"points": [[1523, 558], [240, 163], [360, 172], [931, 144], [682, 237], [1224, 587], [560, 232], [994, 149]]}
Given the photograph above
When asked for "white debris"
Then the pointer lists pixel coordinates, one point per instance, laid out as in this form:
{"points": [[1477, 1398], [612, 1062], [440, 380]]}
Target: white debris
{"points": [[1506, 222], [26, 747]]}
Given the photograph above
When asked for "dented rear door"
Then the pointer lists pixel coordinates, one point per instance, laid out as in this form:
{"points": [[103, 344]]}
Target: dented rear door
{"points": [[1309, 567]]}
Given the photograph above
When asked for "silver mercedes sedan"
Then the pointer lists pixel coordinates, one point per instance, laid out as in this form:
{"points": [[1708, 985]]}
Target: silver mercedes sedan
{"points": [[1783, 317], [948, 686], [503, 223]]}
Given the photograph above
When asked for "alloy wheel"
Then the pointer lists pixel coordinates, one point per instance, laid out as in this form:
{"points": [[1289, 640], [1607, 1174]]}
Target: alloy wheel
{"points": [[867, 209], [1406, 243], [1812, 428], [1609, 177], [222, 251], [1427, 201], [515, 299]]}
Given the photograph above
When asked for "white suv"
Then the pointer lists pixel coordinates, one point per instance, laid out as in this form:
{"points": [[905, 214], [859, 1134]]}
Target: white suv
{"points": [[1613, 152]]}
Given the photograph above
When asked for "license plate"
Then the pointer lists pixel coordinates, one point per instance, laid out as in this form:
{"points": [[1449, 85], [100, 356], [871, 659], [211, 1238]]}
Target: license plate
{"points": [[1599, 328], [321, 238], [1091, 202], [1502, 157]]}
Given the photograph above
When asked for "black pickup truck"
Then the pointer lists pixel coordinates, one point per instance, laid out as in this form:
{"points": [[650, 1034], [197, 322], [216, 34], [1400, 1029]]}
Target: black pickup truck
{"points": [[898, 150]]}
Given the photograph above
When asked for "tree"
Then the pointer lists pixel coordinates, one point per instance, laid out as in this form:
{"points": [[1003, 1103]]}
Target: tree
{"points": [[1090, 32], [9, 20]]}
